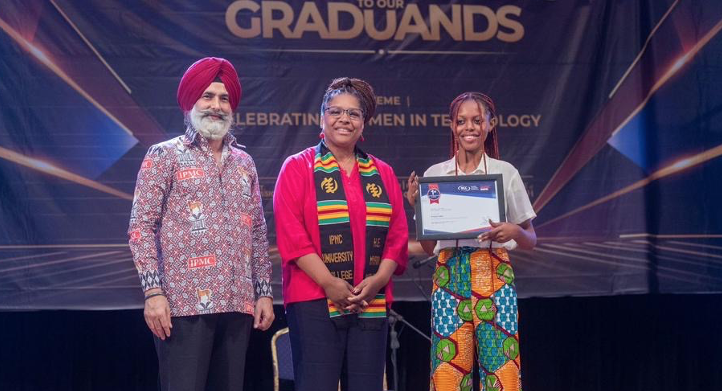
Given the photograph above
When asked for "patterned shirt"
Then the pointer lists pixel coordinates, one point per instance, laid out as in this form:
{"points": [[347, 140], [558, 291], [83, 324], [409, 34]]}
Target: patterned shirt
{"points": [[197, 231]]}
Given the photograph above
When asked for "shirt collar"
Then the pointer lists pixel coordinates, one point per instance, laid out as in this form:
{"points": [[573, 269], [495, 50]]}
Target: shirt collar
{"points": [[192, 136], [449, 166]]}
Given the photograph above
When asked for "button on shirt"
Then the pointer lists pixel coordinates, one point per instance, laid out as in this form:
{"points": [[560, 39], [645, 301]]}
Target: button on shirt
{"points": [[197, 230], [516, 200]]}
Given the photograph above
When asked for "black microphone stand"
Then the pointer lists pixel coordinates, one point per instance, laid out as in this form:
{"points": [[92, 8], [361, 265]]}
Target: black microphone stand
{"points": [[422, 262], [394, 317]]}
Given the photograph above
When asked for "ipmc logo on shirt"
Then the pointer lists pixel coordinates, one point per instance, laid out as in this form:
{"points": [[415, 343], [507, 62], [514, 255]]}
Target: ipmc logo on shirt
{"points": [[206, 261], [190, 173]]}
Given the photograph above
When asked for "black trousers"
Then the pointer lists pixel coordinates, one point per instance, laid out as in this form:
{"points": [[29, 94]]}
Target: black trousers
{"points": [[204, 352], [324, 352]]}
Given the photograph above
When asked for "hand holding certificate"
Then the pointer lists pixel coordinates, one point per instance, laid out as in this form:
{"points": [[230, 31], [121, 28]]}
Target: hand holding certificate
{"points": [[458, 207]]}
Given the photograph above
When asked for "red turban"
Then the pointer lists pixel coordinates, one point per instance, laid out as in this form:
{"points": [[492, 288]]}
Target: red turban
{"points": [[201, 74]]}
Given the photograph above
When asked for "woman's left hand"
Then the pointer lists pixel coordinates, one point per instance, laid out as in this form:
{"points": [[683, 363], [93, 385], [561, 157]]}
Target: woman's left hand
{"points": [[501, 232], [366, 291], [412, 185]]}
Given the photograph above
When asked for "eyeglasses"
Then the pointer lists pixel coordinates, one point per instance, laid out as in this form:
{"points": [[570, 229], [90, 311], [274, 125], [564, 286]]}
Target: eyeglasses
{"points": [[353, 114]]}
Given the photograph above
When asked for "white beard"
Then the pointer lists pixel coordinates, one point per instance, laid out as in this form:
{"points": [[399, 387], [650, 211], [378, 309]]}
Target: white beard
{"points": [[207, 127]]}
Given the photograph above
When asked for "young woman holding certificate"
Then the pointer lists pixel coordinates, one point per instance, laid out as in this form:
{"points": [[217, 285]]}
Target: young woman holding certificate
{"points": [[474, 299], [341, 232]]}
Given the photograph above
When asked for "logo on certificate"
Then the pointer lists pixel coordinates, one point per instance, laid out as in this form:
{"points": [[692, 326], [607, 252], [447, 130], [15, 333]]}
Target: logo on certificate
{"points": [[433, 193]]}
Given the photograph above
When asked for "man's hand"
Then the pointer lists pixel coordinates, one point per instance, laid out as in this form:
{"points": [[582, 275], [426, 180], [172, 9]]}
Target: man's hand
{"points": [[263, 315], [157, 314]]}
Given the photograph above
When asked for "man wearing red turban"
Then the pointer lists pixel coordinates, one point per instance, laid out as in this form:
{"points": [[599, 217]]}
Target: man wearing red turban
{"points": [[201, 74], [198, 237]]}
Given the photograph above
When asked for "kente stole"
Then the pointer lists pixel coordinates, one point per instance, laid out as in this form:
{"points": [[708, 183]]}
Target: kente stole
{"points": [[335, 227]]}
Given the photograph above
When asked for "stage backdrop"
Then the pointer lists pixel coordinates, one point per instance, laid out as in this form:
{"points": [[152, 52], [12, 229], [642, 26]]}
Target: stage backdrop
{"points": [[611, 111]]}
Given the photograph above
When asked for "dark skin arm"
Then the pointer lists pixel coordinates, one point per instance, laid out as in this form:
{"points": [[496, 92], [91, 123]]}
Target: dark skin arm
{"points": [[523, 234], [370, 286], [336, 289], [411, 193]]}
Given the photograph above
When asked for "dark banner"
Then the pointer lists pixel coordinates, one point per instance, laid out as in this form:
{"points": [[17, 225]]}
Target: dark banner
{"points": [[610, 110]]}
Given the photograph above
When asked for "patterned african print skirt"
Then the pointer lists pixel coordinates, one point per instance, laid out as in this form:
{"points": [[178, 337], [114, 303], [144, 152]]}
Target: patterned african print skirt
{"points": [[474, 307]]}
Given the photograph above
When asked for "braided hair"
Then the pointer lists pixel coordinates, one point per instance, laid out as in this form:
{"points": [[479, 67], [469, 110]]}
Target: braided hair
{"points": [[491, 144], [356, 87]]}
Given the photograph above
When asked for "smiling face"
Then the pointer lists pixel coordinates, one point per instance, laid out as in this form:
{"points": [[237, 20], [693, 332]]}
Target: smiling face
{"points": [[342, 132], [212, 116], [471, 126]]}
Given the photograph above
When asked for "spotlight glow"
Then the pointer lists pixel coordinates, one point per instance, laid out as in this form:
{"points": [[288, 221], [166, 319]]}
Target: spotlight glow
{"points": [[53, 170]]}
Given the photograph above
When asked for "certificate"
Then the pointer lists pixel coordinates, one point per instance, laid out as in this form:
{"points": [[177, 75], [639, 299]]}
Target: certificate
{"points": [[458, 207]]}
